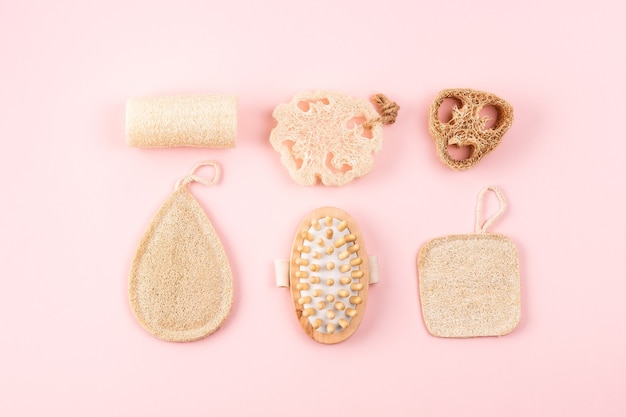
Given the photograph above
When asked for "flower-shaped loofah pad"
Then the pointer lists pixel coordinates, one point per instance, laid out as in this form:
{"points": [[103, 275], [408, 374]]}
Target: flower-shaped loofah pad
{"points": [[329, 137]]}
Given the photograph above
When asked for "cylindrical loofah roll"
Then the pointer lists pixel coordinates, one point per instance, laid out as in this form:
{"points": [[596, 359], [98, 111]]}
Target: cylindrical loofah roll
{"points": [[196, 120]]}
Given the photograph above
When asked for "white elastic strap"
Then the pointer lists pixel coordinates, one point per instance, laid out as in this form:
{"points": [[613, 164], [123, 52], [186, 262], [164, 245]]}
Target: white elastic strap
{"points": [[373, 261], [281, 271]]}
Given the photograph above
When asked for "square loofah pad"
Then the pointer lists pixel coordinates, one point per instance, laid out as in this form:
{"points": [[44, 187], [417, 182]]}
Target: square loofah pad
{"points": [[470, 284]]}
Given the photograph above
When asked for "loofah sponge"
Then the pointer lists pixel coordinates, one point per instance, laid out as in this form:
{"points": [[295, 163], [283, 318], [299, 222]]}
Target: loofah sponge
{"points": [[181, 286], [467, 127], [197, 121], [330, 137], [469, 284]]}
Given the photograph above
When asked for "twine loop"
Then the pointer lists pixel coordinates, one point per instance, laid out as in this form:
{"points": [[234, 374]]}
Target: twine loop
{"points": [[192, 177], [387, 109], [483, 225]]}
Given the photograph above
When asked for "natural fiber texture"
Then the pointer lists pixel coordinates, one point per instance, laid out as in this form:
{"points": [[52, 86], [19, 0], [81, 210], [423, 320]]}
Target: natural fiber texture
{"points": [[329, 137], [181, 286], [196, 121], [467, 128], [469, 284], [388, 111]]}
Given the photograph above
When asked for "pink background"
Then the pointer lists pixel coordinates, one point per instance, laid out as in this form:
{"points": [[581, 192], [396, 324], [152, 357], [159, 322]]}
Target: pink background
{"points": [[77, 200]]}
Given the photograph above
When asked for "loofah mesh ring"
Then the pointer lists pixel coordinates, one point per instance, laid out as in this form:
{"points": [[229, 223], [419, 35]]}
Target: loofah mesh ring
{"points": [[467, 127]]}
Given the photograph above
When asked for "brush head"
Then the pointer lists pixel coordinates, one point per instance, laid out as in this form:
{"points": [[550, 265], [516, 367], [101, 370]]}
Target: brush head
{"points": [[328, 278]]}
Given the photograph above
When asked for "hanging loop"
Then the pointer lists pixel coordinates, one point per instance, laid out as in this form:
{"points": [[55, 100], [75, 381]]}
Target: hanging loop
{"points": [[387, 109], [192, 177], [482, 226]]}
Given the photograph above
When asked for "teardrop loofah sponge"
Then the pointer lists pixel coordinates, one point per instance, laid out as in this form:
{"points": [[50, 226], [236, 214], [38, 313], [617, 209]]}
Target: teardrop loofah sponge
{"points": [[180, 284], [467, 127], [330, 137]]}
